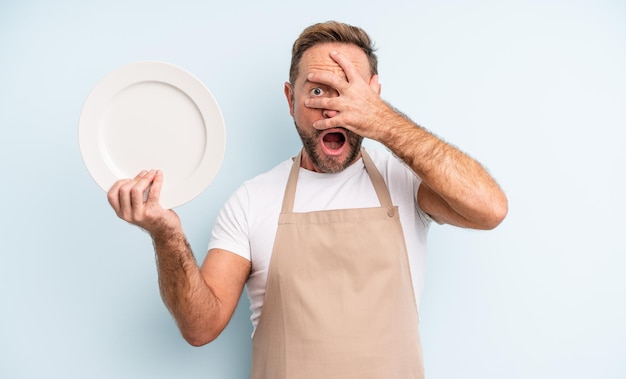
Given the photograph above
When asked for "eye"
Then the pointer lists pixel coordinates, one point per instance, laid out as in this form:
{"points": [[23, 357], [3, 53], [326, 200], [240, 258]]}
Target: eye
{"points": [[317, 91]]}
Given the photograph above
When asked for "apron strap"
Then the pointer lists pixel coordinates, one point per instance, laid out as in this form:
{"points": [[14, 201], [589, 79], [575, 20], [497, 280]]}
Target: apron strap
{"points": [[377, 180], [290, 190]]}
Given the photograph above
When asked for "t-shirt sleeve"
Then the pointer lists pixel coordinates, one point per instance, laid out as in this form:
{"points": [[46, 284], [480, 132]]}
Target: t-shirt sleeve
{"points": [[415, 181], [230, 231], [399, 173]]}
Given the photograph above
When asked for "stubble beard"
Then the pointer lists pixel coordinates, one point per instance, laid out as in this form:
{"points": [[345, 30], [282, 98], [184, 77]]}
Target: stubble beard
{"points": [[329, 164]]}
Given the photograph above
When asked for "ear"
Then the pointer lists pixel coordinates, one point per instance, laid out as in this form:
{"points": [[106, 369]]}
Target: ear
{"points": [[374, 84], [289, 96]]}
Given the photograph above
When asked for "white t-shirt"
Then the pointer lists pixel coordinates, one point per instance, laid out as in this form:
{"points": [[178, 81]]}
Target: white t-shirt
{"points": [[248, 221]]}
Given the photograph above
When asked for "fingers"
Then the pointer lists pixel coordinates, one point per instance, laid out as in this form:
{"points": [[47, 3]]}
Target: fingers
{"points": [[134, 195], [359, 97], [126, 196], [323, 103], [330, 79], [346, 65], [113, 195], [339, 82], [329, 123], [155, 190]]}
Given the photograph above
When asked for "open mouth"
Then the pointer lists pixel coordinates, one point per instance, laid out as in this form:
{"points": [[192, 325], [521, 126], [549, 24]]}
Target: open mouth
{"points": [[334, 141]]}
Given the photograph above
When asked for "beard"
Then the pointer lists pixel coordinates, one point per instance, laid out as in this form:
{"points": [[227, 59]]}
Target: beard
{"points": [[329, 164]]}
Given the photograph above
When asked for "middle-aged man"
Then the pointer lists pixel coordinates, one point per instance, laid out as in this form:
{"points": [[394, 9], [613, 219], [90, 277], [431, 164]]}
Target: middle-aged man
{"points": [[332, 244]]}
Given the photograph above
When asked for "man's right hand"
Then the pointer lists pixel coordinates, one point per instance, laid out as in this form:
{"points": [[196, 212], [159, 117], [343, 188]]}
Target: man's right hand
{"points": [[128, 199]]}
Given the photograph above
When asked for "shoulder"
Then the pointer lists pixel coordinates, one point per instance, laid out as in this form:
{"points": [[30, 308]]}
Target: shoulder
{"points": [[275, 177], [391, 167], [380, 155], [247, 208], [266, 188], [402, 182], [250, 191]]}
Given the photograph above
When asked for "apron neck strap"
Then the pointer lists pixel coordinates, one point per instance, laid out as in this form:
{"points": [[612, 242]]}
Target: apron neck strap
{"points": [[377, 180]]}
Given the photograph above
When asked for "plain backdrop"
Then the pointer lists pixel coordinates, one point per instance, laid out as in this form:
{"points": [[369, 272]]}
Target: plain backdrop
{"points": [[535, 90]]}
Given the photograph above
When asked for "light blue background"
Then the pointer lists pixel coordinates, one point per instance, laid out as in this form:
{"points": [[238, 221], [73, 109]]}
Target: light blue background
{"points": [[536, 90]]}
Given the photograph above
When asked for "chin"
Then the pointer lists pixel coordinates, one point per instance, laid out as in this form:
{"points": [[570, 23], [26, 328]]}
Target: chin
{"points": [[331, 164], [327, 163]]}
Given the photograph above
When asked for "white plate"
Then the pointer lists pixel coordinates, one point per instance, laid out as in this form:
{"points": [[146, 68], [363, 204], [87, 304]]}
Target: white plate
{"points": [[153, 115]]}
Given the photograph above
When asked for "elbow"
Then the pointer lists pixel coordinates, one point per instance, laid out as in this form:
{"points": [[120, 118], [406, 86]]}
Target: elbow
{"points": [[199, 336], [199, 339], [197, 342], [497, 213]]}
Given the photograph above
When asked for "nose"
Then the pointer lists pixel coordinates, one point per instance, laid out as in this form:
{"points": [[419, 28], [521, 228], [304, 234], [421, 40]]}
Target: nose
{"points": [[328, 113]]}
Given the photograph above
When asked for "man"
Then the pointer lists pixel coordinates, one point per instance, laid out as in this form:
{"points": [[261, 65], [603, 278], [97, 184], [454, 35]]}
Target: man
{"points": [[332, 244]]}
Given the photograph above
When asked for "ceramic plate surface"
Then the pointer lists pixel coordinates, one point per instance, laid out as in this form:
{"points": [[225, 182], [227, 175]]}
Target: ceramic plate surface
{"points": [[153, 115]]}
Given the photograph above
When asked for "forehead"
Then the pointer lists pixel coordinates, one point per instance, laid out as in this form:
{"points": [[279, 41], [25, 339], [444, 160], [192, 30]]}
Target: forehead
{"points": [[317, 58]]}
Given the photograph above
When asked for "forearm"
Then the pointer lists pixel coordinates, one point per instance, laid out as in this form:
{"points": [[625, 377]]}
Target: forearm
{"points": [[454, 176], [455, 188], [184, 291], [194, 304]]}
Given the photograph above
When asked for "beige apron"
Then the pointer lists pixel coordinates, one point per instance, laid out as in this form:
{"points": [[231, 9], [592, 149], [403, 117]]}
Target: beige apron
{"points": [[339, 299]]}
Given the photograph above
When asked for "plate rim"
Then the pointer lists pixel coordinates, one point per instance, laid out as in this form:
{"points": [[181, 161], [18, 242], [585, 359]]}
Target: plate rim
{"points": [[175, 194]]}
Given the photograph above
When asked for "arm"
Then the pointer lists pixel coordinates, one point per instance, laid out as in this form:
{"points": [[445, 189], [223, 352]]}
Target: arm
{"points": [[455, 188], [202, 300]]}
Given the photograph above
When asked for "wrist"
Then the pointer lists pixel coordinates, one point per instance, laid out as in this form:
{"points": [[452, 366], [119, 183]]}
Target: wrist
{"points": [[398, 128], [165, 234]]}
